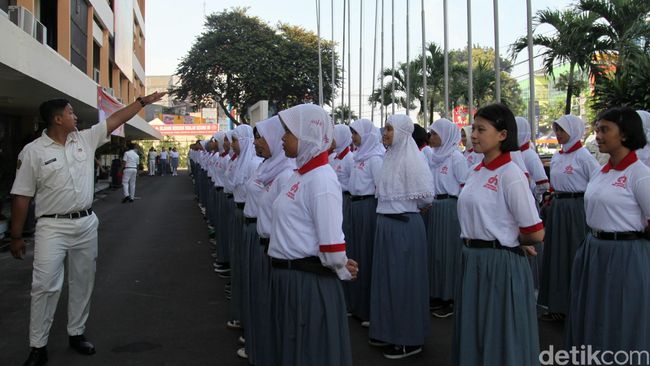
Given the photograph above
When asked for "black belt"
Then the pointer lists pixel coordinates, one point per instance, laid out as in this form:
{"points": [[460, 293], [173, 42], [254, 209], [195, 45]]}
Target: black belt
{"points": [[72, 215], [399, 217], [494, 244], [240, 205], [445, 196], [229, 195], [250, 220], [265, 242], [346, 193], [219, 189], [621, 235], [561, 195], [360, 198], [130, 167], [309, 264]]}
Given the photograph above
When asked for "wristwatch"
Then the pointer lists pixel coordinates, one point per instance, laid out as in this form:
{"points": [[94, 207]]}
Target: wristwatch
{"points": [[141, 101]]}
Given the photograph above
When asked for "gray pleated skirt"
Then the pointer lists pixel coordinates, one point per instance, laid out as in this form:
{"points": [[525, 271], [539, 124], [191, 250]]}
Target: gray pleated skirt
{"points": [[308, 320], [566, 229], [224, 222], [249, 239], [495, 319], [261, 345], [363, 219], [210, 203], [399, 308], [444, 245], [610, 296], [236, 233]]}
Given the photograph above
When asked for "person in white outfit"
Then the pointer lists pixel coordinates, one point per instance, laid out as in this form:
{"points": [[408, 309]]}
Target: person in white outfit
{"points": [[152, 161], [56, 170], [130, 162]]}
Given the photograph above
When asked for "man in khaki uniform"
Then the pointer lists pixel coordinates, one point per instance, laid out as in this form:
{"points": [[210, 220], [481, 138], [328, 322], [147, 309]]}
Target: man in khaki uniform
{"points": [[56, 170]]}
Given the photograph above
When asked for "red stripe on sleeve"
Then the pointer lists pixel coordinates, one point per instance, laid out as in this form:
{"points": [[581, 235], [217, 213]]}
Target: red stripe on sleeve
{"points": [[531, 229], [332, 248]]}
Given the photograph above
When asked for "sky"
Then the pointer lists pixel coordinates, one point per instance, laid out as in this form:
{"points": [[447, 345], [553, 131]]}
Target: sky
{"points": [[171, 29]]}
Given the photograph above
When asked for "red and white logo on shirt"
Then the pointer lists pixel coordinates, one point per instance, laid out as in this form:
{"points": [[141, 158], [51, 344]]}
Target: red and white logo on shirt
{"points": [[620, 182], [444, 170], [293, 190], [568, 169], [492, 183], [361, 165]]}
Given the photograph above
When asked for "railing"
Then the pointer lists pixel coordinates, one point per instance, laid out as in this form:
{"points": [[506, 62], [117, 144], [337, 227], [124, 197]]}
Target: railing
{"points": [[26, 21]]}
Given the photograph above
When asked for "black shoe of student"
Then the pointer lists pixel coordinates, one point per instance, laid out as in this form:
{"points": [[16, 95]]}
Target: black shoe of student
{"points": [[80, 344], [125, 200], [37, 357], [397, 352], [131, 200]]}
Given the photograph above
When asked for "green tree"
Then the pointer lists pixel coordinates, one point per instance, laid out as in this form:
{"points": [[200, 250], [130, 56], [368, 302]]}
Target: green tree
{"points": [[239, 60], [346, 112], [574, 41]]}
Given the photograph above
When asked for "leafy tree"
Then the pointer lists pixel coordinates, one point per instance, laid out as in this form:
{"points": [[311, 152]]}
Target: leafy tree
{"points": [[346, 112]]}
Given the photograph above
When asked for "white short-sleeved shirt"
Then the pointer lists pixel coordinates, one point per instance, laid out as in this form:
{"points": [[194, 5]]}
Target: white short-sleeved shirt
{"points": [[617, 198], [265, 204], [571, 170], [60, 178], [364, 175], [163, 155], [174, 154], [239, 190], [534, 165], [496, 203], [342, 165], [450, 175], [222, 165], [131, 159], [308, 216], [152, 155], [228, 169], [472, 157]]}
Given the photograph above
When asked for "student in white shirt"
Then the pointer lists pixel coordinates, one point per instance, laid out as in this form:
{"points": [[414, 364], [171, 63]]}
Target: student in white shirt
{"points": [[399, 308], [222, 263], [449, 168], [495, 312], [564, 216], [644, 152], [534, 165], [307, 249], [152, 161], [130, 162], [610, 285], [163, 161], [263, 187], [470, 154], [174, 162], [363, 205]]}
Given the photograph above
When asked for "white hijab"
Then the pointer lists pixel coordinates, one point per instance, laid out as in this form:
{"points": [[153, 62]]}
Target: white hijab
{"points": [[343, 138], [404, 174], [449, 135], [574, 126], [468, 140], [231, 152], [271, 130], [219, 137], [523, 131], [312, 126], [370, 140], [644, 152], [243, 134]]}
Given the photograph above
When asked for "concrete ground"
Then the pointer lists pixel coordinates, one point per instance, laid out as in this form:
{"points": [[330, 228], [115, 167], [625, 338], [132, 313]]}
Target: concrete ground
{"points": [[157, 300]]}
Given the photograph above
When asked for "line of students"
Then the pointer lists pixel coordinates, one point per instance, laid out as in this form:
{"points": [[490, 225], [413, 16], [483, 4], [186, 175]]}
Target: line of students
{"points": [[430, 223]]}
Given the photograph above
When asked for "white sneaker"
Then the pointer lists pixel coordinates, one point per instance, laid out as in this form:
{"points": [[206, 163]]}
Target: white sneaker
{"points": [[241, 340], [242, 353], [365, 324]]}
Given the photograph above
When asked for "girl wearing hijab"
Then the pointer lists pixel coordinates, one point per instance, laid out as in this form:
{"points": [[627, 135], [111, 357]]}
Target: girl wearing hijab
{"points": [[470, 154], [399, 308], [241, 168], [263, 188], [571, 170], [610, 284], [222, 263], [449, 169], [495, 322], [363, 205], [644, 153], [532, 161], [307, 249]]}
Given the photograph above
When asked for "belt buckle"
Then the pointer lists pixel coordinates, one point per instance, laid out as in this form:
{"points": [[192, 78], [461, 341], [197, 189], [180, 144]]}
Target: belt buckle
{"points": [[494, 244]]}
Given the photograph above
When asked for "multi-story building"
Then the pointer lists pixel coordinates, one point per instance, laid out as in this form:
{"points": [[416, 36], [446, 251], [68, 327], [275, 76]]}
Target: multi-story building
{"points": [[73, 49]]}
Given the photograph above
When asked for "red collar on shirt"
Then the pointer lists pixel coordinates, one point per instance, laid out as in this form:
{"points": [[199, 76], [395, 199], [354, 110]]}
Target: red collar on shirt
{"points": [[234, 157], [628, 160], [572, 149], [500, 161], [318, 160], [343, 153], [525, 146], [422, 148], [471, 150], [223, 154]]}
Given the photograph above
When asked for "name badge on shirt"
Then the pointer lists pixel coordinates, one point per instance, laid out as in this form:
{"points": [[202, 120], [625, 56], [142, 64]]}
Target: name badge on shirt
{"points": [[49, 161]]}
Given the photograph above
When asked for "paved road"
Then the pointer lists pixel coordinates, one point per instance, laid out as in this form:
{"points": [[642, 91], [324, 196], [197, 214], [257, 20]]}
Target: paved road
{"points": [[156, 299]]}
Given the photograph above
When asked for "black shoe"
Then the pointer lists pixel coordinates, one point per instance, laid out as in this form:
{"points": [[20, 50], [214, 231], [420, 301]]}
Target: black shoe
{"points": [[130, 199], [445, 312], [82, 345], [125, 200], [37, 357], [396, 352]]}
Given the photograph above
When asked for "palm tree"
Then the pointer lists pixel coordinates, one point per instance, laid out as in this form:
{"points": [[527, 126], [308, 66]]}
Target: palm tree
{"points": [[346, 112], [575, 42]]}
